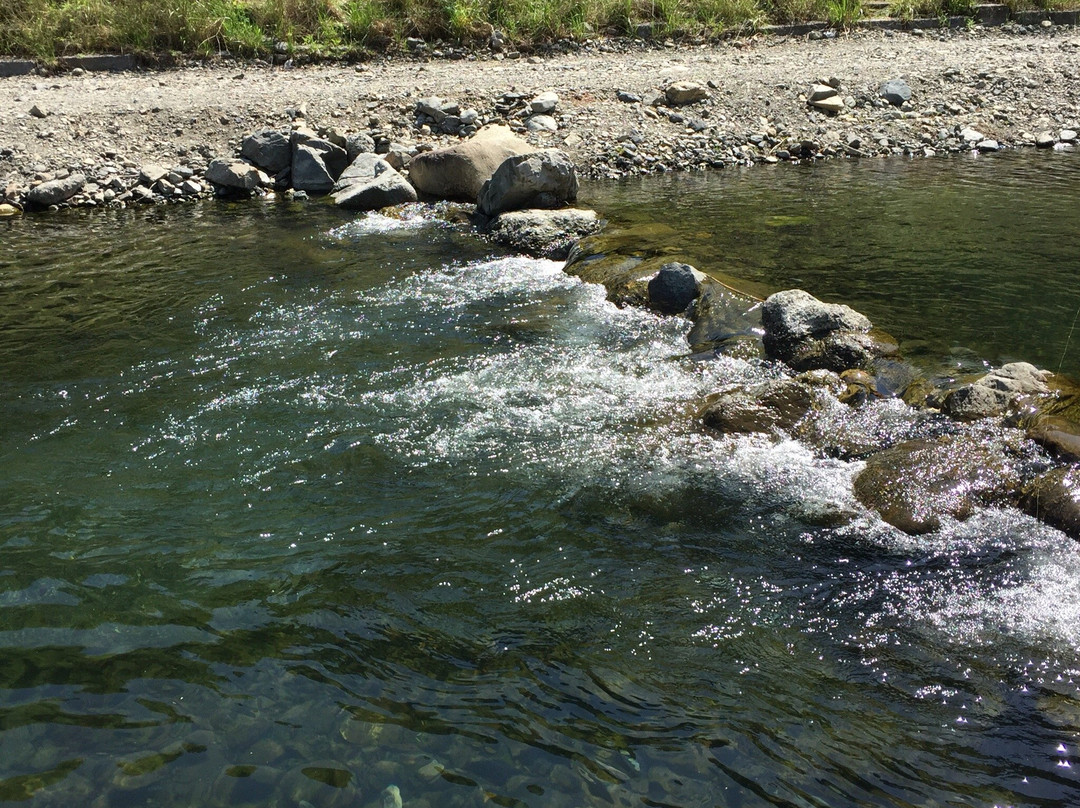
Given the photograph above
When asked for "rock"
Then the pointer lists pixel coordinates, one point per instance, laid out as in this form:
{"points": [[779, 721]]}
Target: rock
{"points": [[309, 172], [364, 168], [7, 209], [819, 92], [37, 112], [770, 407], [680, 93], [234, 175], [151, 174], [807, 333], [833, 104], [969, 135], [359, 143], [332, 157], [269, 150], [543, 179], [55, 191], [1054, 498], [544, 233], [391, 797], [385, 190], [1067, 135], [432, 107], [995, 392], [988, 145], [916, 484], [459, 172], [1044, 140], [674, 288], [895, 91], [541, 123], [1060, 436], [544, 104], [726, 321], [398, 156], [627, 97]]}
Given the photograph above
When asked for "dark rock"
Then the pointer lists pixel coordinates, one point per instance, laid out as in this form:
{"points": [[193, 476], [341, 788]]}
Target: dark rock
{"points": [[55, 191], [544, 233], [896, 92], [309, 172], [916, 484], [543, 179], [333, 158], [360, 143], [674, 288], [269, 150], [1054, 498]]}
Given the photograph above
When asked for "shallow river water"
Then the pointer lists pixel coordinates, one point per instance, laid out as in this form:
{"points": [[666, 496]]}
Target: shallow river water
{"points": [[294, 508]]}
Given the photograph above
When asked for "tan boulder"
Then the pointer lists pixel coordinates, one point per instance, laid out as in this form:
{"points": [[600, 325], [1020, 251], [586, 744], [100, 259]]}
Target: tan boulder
{"points": [[459, 172]]}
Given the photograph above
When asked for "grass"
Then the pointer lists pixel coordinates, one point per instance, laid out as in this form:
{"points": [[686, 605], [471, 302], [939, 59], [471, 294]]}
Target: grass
{"points": [[49, 29]]}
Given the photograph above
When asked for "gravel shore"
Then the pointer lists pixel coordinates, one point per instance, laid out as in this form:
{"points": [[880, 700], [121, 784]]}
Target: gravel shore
{"points": [[981, 88]]}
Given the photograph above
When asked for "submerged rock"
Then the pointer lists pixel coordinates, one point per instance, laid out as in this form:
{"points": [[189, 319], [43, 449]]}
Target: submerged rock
{"points": [[542, 179], [544, 233], [1054, 498], [916, 484], [725, 320], [770, 407]]}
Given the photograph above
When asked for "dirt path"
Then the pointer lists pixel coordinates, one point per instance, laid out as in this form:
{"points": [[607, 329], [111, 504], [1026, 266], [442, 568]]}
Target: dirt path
{"points": [[1009, 84]]}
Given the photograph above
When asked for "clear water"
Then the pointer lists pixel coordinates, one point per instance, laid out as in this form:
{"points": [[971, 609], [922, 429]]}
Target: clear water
{"points": [[966, 260], [293, 508]]}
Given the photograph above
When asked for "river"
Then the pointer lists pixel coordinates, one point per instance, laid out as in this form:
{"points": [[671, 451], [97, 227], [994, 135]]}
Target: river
{"points": [[296, 507]]}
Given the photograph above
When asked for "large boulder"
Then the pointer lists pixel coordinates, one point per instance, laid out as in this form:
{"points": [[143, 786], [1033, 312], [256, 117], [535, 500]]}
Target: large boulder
{"points": [[383, 190], [269, 150], [460, 171], [542, 179], [916, 484], [310, 172], [234, 175], [806, 333], [995, 392], [54, 192], [544, 233], [365, 167]]}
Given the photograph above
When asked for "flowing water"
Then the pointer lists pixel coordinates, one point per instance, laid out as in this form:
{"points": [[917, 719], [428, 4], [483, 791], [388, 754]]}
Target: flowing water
{"points": [[294, 508]]}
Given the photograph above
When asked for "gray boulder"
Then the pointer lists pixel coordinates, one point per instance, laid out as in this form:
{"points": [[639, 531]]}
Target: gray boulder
{"points": [[459, 172], [364, 168], [333, 158], [234, 175], [386, 189], [994, 393], [895, 91], [357, 144], [55, 191], [544, 233], [544, 104], [309, 171], [543, 179], [269, 150], [806, 333], [674, 287]]}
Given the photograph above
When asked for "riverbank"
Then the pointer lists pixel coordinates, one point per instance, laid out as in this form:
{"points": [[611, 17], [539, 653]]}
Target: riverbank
{"points": [[1001, 87]]}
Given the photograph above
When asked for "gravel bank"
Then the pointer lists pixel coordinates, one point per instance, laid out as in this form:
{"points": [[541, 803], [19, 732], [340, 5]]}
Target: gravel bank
{"points": [[982, 88]]}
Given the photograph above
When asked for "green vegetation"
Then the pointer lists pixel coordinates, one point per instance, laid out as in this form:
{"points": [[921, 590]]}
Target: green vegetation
{"points": [[48, 29]]}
